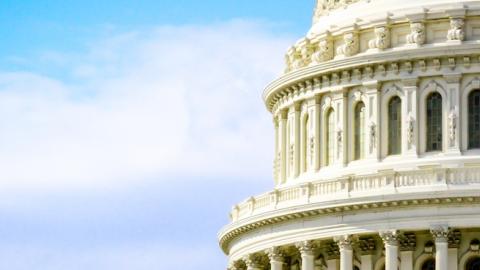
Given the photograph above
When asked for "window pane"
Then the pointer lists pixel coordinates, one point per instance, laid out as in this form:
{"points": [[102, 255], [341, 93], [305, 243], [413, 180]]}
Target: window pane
{"points": [[434, 122], [394, 126], [474, 119], [359, 130]]}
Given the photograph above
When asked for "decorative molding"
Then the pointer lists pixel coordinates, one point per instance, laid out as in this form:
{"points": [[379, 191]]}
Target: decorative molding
{"points": [[229, 234]]}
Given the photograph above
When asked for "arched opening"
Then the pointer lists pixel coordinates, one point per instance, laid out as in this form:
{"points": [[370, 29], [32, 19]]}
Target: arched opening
{"points": [[428, 264], [474, 119], [395, 126], [359, 131], [434, 122], [330, 133], [473, 263]]}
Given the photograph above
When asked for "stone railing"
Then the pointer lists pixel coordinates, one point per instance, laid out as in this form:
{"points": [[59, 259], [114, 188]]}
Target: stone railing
{"points": [[352, 187]]}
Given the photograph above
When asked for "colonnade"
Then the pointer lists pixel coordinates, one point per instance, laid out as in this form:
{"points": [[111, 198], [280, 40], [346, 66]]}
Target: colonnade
{"points": [[398, 253]]}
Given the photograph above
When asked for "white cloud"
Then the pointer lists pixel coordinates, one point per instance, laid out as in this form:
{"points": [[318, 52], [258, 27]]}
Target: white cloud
{"points": [[171, 100]]}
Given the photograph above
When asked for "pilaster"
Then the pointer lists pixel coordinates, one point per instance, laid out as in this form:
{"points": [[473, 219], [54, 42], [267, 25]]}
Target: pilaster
{"points": [[373, 120], [407, 244], [296, 130], [282, 126], [410, 120], [453, 108], [316, 127], [368, 248]]}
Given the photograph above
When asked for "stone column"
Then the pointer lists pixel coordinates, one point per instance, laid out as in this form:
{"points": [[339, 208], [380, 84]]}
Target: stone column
{"points": [[453, 114], [282, 126], [253, 262], [390, 240], [368, 248], [410, 117], [440, 234], [276, 258], [306, 249], [340, 104], [346, 252]]}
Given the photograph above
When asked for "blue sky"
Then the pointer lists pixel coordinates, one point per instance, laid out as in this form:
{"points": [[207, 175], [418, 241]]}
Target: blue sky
{"points": [[130, 128]]}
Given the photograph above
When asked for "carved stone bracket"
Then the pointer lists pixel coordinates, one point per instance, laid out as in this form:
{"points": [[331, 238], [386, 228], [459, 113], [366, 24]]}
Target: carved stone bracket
{"points": [[351, 44], [454, 239], [417, 33], [456, 31], [381, 40], [332, 251], [367, 245], [407, 241]]}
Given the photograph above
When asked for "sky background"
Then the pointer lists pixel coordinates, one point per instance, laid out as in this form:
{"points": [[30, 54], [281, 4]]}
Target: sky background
{"points": [[128, 129]]}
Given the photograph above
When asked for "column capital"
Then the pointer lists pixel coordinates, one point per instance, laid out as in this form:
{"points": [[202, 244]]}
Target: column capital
{"points": [[236, 265], [275, 254], [253, 261], [390, 237], [344, 242], [305, 247], [440, 233]]}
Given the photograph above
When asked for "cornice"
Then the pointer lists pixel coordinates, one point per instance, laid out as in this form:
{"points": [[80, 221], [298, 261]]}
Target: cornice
{"points": [[234, 230], [380, 66]]}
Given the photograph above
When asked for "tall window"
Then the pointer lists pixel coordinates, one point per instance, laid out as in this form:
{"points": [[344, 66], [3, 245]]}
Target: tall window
{"points": [[330, 137], [359, 123], [395, 126], [474, 119], [434, 122]]}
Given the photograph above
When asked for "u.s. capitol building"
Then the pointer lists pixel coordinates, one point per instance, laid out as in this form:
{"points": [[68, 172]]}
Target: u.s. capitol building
{"points": [[377, 144]]}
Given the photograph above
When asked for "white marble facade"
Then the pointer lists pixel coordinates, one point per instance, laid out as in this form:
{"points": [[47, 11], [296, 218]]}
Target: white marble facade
{"points": [[377, 144]]}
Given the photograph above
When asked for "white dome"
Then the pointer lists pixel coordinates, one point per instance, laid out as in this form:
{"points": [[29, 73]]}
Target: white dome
{"points": [[377, 144]]}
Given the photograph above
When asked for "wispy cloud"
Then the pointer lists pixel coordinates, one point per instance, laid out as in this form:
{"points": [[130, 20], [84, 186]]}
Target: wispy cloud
{"points": [[164, 101]]}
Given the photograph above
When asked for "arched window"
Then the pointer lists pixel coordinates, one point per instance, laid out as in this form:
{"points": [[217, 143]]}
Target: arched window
{"points": [[359, 131], [330, 132], [305, 143], [395, 126], [429, 264], [474, 119], [473, 264], [434, 122]]}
